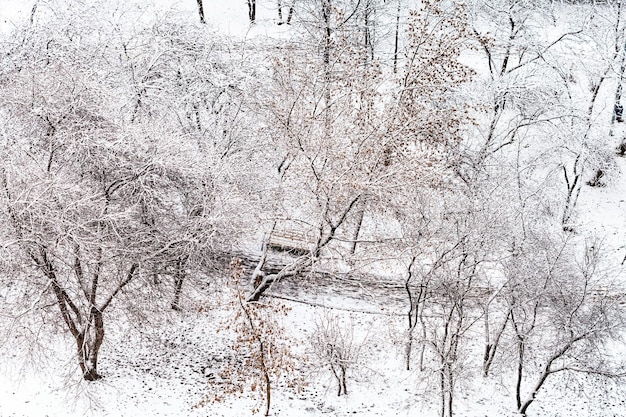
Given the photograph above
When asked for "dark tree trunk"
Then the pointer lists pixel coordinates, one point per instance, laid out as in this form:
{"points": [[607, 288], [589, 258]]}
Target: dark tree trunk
{"points": [[89, 335], [252, 10], [326, 11], [396, 40], [89, 344], [573, 190], [357, 230], [368, 32], [491, 346], [201, 11], [280, 13], [87, 329], [179, 278]]}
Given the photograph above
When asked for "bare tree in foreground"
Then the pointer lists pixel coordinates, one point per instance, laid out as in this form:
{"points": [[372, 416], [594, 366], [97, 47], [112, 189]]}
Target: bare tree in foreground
{"points": [[565, 323], [263, 350], [94, 203]]}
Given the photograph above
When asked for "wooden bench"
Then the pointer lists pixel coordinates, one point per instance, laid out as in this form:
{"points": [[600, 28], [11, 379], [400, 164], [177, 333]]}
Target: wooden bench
{"points": [[294, 242]]}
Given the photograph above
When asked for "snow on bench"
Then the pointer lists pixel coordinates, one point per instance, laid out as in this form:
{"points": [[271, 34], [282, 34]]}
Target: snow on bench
{"points": [[295, 242]]}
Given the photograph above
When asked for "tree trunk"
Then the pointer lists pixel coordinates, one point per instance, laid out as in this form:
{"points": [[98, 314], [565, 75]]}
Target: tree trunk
{"points": [[201, 11], [86, 329], [252, 10], [368, 32], [412, 314], [357, 230], [179, 278], [88, 332], [573, 190], [442, 387], [396, 40], [450, 392], [619, 49], [520, 371], [491, 346], [290, 15], [326, 17], [621, 149], [89, 343]]}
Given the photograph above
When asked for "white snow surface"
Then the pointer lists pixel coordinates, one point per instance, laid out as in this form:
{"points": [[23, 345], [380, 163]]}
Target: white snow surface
{"points": [[168, 371]]}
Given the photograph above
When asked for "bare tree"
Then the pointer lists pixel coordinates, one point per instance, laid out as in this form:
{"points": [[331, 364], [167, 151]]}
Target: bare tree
{"points": [[341, 151], [185, 79], [260, 342], [579, 319], [94, 204], [335, 346]]}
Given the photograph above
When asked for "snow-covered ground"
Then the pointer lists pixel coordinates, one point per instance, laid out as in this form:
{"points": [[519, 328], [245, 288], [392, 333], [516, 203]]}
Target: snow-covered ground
{"points": [[168, 371], [603, 214]]}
